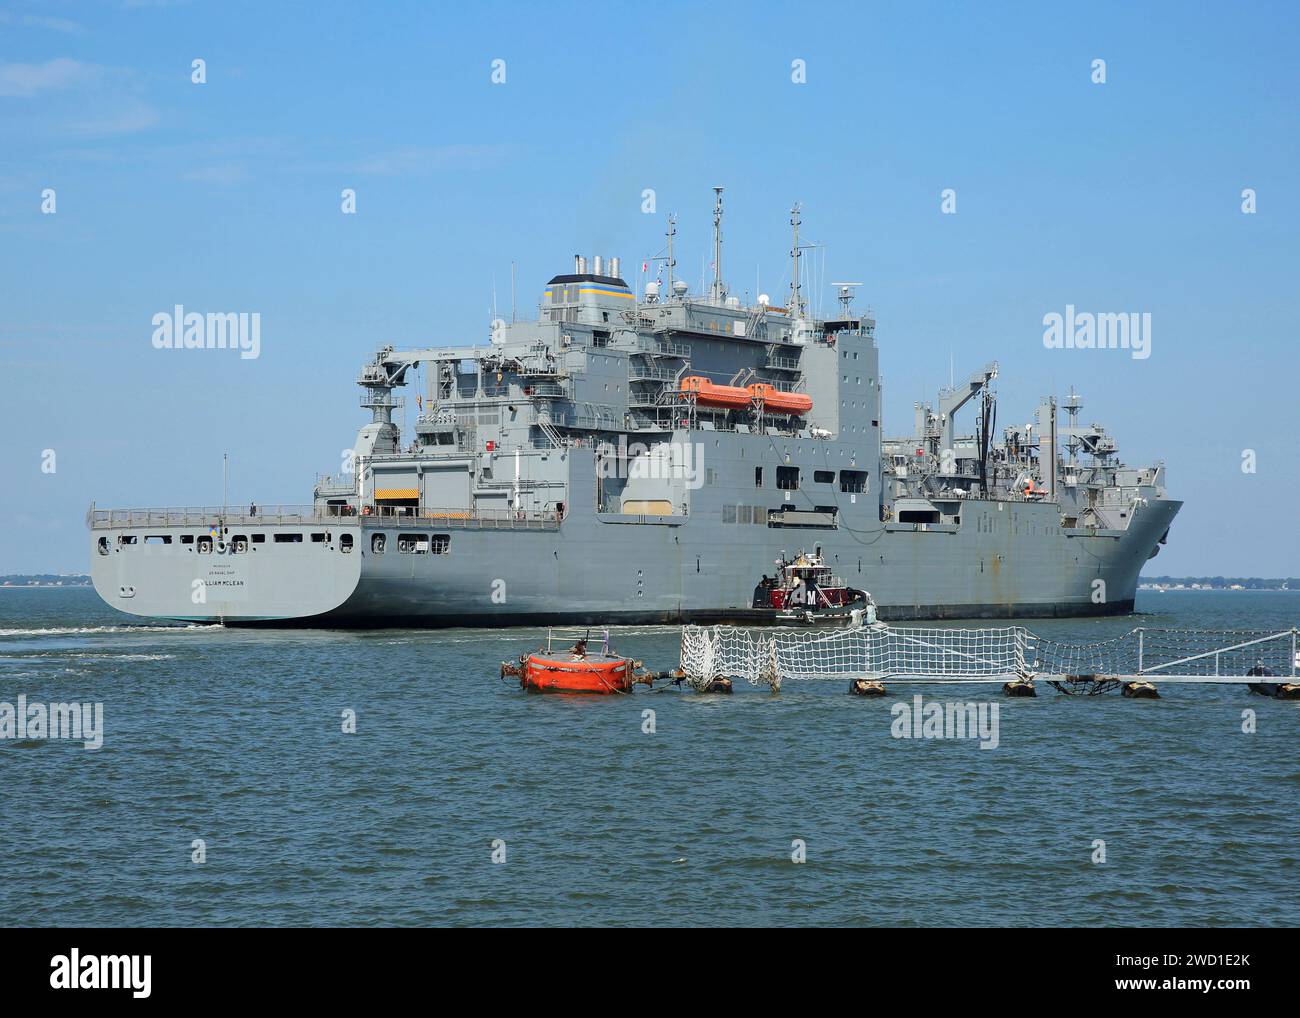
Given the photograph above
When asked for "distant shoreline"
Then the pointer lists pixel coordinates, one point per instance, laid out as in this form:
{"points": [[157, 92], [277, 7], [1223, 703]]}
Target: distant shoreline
{"points": [[26, 581], [1223, 590], [1286, 584]]}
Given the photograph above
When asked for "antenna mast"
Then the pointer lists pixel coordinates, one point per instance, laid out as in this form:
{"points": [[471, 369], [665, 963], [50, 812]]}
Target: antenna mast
{"points": [[717, 246], [672, 232], [796, 301]]}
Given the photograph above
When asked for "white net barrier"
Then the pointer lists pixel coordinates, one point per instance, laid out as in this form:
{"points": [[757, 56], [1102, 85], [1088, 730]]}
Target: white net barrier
{"points": [[1104, 657], [709, 652], [874, 652], [972, 655], [867, 652], [1188, 652], [1163, 652]]}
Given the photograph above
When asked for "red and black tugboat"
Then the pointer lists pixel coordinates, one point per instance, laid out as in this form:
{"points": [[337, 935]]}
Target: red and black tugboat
{"points": [[806, 592]]}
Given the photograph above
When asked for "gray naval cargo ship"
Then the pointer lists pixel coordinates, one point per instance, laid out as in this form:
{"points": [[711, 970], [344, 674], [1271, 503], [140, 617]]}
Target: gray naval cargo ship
{"points": [[648, 458]]}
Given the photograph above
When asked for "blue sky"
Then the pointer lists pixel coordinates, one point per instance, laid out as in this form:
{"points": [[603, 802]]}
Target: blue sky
{"points": [[1123, 196]]}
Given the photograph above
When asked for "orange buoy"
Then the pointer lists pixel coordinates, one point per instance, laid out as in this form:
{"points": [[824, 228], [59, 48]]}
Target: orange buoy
{"points": [[573, 673], [558, 668]]}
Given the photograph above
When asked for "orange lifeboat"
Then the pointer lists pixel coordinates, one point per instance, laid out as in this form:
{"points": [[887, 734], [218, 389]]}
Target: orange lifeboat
{"points": [[781, 402], [708, 393], [576, 669]]}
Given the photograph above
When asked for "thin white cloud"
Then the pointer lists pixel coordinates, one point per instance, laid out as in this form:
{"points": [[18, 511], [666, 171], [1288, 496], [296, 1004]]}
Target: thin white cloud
{"points": [[224, 173], [107, 121], [431, 158], [65, 25], [27, 80], [71, 99]]}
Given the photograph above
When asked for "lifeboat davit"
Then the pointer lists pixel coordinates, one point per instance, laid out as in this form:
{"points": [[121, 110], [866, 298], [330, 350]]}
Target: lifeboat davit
{"points": [[781, 402], [708, 393]]}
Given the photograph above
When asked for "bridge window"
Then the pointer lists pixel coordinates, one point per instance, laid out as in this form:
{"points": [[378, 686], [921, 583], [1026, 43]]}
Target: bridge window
{"points": [[787, 478]]}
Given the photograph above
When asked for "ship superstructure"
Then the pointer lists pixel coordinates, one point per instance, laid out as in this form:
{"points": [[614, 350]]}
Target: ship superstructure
{"points": [[637, 458]]}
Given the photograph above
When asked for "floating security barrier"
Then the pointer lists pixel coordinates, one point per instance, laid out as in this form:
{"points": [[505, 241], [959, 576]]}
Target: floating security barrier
{"points": [[1011, 655], [1084, 685]]}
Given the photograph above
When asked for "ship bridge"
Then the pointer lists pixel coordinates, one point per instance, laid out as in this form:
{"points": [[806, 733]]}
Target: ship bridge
{"points": [[582, 296]]}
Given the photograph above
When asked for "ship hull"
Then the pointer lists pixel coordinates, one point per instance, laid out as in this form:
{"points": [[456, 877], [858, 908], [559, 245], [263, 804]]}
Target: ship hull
{"points": [[1006, 560]]}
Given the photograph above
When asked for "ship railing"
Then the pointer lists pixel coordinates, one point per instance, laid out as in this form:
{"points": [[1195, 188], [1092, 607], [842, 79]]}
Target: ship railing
{"points": [[203, 516], [639, 374], [470, 519], [207, 516], [592, 422], [548, 390], [663, 348], [379, 398]]}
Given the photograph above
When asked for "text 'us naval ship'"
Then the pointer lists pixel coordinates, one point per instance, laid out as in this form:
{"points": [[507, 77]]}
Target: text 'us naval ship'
{"points": [[648, 458]]}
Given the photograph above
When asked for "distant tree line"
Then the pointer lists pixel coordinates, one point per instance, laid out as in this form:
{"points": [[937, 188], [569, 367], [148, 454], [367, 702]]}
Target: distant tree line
{"points": [[1249, 582], [45, 580]]}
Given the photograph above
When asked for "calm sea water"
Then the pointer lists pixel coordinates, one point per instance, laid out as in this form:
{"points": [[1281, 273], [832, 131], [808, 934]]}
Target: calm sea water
{"points": [[235, 737]]}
